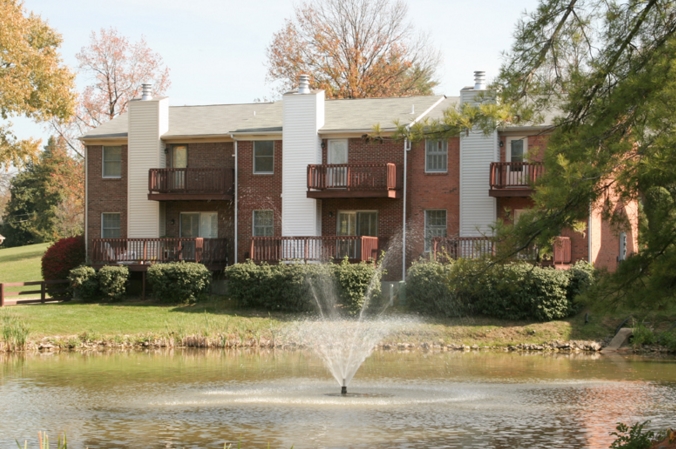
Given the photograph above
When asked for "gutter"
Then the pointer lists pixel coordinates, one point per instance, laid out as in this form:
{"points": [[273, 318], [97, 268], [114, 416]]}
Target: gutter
{"points": [[235, 203]]}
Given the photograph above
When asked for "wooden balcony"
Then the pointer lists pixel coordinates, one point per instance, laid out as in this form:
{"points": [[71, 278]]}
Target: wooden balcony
{"points": [[514, 178], [173, 184], [139, 253], [314, 249], [353, 181], [462, 247]]}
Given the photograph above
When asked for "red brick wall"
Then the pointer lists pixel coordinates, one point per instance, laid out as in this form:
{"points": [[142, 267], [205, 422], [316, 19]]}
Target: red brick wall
{"points": [[256, 192], [536, 147], [210, 155], [225, 212], [104, 194], [432, 191]]}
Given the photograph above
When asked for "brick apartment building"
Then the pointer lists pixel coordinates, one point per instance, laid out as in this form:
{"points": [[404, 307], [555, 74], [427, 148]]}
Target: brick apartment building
{"points": [[300, 178]]}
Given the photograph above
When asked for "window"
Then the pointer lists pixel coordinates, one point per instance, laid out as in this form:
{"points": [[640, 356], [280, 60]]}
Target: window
{"points": [[436, 156], [112, 162], [435, 226], [199, 224], [264, 153], [623, 247], [110, 225], [358, 223], [263, 224]]}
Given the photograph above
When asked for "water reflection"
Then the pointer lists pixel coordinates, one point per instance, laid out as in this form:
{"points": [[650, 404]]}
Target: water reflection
{"points": [[197, 399]]}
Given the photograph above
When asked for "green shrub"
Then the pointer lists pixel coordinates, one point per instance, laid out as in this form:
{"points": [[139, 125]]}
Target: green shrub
{"points": [[632, 438], [514, 291], [297, 287], [581, 276], [179, 281], [113, 281], [84, 282], [429, 289], [356, 282], [642, 335]]}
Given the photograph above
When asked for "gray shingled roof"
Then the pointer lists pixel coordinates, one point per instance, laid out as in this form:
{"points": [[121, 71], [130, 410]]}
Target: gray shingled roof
{"points": [[341, 116]]}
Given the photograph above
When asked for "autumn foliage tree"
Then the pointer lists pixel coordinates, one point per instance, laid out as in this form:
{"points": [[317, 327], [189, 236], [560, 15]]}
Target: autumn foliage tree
{"points": [[353, 49], [115, 69], [33, 80]]}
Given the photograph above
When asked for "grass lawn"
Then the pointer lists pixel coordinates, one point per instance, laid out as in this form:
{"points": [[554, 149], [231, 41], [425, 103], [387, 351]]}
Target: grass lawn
{"points": [[217, 317], [22, 263]]}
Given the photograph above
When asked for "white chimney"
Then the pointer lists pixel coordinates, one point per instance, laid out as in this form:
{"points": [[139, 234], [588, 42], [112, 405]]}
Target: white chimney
{"points": [[479, 80], [146, 91], [304, 84]]}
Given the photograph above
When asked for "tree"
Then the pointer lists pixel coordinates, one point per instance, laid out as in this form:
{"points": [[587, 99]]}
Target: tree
{"points": [[608, 68], [47, 200], [116, 69], [33, 80], [353, 49]]}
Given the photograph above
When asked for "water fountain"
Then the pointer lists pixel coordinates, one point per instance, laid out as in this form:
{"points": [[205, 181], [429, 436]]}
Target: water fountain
{"points": [[341, 340]]}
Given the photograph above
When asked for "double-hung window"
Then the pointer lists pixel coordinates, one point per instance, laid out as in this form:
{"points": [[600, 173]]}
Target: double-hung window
{"points": [[112, 162], [264, 157], [435, 226], [110, 225], [436, 156], [263, 223]]}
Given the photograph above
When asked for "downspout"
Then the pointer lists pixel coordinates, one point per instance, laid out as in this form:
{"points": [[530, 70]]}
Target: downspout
{"points": [[589, 236], [407, 147], [236, 240], [86, 209]]}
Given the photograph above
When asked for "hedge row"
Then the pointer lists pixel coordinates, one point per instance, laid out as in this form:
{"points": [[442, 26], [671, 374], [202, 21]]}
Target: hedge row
{"points": [[297, 287], [515, 291], [171, 282]]}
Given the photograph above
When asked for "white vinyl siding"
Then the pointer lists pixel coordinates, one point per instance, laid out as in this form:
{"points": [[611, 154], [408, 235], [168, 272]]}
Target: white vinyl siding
{"points": [[435, 226], [263, 223], [436, 156], [264, 157], [110, 225], [112, 162], [478, 210], [148, 120], [302, 117]]}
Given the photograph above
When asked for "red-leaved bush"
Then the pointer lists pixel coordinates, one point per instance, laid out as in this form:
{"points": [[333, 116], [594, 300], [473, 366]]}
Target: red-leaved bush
{"points": [[63, 256]]}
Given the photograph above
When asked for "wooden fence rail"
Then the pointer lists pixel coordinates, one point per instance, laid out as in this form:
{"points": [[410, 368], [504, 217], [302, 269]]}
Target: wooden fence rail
{"points": [[4, 293]]}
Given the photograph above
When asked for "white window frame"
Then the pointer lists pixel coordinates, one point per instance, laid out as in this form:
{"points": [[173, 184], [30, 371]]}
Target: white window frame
{"points": [[255, 172], [103, 229], [356, 221], [443, 152], [200, 213], [103, 162], [508, 146], [254, 226], [428, 238]]}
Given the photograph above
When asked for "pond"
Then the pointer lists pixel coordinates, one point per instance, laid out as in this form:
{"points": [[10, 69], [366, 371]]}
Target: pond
{"points": [[202, 399]]}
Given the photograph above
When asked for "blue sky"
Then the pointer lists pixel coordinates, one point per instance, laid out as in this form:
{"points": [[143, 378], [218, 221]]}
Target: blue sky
{"points": [[216, 49]]}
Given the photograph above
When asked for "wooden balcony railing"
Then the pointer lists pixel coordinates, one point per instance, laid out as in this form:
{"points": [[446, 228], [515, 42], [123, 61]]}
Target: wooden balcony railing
{"points": [[190, 183], [139, 251], [562, 250], [462, 247], [514, 178], [310, 249], [353, 181]]}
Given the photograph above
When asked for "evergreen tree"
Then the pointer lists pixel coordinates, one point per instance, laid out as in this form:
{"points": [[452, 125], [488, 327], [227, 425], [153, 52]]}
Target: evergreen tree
{"points": [[46, 199], [607, 70]]}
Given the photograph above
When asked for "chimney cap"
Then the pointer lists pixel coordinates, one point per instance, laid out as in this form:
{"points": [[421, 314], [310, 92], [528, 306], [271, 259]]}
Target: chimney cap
{"points": [[146, 91], [304, 84], [479, 80]]}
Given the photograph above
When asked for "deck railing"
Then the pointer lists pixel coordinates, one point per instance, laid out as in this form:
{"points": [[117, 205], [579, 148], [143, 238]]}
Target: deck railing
{"points": [[52, 290], [140, 251], [463, 247], [311, 249], [191, 180], [361, 177], [522, 175]]}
